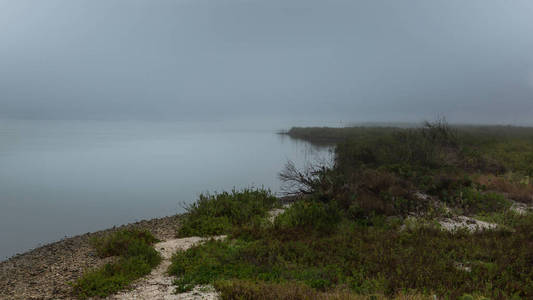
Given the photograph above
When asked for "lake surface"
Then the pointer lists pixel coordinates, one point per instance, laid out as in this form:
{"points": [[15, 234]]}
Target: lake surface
{"points": [[63, 178]]}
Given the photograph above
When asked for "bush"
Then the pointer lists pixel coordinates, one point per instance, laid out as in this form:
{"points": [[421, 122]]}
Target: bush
{"points": [[113, 277], [119, 242], [221, 213], [204, 264], [309, 215], [472, 201], [137, 258]]}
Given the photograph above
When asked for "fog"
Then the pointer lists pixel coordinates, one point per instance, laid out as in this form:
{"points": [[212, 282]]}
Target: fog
{"points": [[335, 60]]}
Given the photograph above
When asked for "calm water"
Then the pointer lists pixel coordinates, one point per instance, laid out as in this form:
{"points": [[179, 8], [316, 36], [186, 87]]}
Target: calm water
{"points": [[62, 178]]}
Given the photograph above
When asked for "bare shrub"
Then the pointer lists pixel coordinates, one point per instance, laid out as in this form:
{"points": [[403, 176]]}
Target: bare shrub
{"points": [[306, 181]]}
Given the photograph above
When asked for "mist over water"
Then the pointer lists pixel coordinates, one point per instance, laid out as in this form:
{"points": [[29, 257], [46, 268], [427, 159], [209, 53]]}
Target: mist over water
{"points": [[62, 178]]}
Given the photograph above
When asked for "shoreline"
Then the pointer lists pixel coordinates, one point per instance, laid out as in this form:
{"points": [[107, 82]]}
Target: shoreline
{"points": [[44, 272]]}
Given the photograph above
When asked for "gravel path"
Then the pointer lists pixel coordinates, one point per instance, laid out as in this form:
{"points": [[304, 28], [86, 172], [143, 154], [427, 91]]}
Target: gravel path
{"points": [[44, 272]]}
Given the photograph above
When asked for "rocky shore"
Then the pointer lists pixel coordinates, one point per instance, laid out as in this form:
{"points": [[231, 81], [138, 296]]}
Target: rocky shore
{"points": [[45, 272]]}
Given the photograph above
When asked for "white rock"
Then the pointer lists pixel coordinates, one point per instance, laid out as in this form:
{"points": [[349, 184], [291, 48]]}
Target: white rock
{"points": [[520, 208], [464, 222]]}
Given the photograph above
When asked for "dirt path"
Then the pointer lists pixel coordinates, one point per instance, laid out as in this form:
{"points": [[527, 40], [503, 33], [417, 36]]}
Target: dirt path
{"points": [[158, 285]]}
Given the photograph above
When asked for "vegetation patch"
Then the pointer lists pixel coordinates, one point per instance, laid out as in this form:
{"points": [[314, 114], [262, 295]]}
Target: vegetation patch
{"points": [[515, 186], [370, 260], [221, 213], [137, 257], [120, 242], [310, 215], [368, 226], [252, 290]]}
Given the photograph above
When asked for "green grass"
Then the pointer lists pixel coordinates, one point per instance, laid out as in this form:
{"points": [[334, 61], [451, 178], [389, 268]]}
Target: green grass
{"points": [[221, 213], [137, 257]]}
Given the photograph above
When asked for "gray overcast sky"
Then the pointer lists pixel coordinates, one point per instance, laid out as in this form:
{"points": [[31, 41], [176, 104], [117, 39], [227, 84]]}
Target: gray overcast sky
{"points": [[373, 60]]}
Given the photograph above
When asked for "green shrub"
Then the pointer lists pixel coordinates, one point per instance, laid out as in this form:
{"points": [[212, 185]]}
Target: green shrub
{"points": [[472, 201], [112, 277], [118, 243], [137, 257], [310, 215], [221, 213], [206, 263]]}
